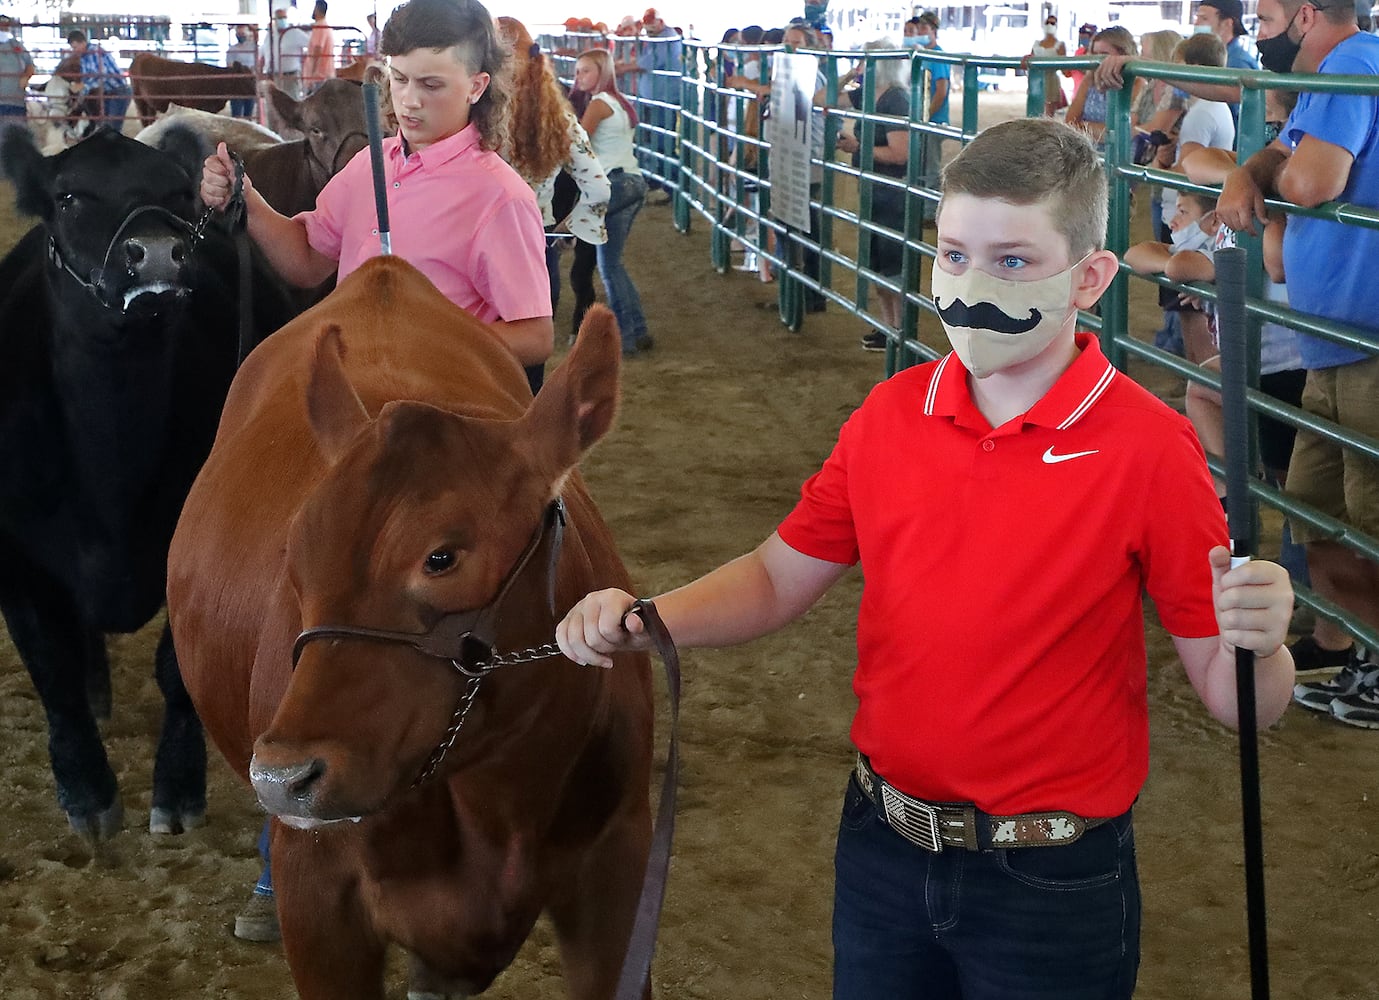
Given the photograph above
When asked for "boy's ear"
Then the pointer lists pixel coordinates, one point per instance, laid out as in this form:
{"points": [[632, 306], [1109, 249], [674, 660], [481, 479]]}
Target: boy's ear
{"points": [[1092, 277]]}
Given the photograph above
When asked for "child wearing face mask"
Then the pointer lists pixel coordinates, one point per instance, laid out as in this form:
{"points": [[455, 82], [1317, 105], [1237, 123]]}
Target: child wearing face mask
{"points": [[1187, 257], [1009, 504]]}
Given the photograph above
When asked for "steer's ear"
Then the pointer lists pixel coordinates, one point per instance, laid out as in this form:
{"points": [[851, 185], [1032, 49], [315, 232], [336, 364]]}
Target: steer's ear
{"points": [[286, 106], [577, 404], [28, 170], [334, 409]]}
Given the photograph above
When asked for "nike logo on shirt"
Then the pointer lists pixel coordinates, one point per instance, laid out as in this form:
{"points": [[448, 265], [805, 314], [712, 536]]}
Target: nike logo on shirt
{"points": [[1051, 459]]}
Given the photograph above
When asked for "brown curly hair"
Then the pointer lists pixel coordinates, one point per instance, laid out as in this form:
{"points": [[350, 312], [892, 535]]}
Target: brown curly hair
{"points": [[466, 25], [539, 126]]}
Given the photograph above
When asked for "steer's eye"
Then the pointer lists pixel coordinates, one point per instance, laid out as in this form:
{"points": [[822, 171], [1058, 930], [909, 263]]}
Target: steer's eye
{"points": [[317, 133], [66, 201], [440, 561]]}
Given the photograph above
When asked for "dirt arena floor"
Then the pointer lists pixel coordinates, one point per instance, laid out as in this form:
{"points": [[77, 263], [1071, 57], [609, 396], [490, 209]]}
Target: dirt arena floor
{"points": [[719, 426]]}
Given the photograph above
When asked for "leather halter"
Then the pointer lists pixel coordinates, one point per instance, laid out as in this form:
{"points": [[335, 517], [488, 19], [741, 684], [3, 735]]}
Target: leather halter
{"points": [[333, 167], [93, 283], [465, 638]]}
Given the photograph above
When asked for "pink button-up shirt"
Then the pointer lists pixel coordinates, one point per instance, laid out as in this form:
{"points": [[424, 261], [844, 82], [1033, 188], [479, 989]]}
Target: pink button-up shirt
{"points": [[458, 213]]}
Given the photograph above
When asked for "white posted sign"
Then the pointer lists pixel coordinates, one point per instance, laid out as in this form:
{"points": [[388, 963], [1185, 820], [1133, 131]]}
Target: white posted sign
{"points": [[790, 131]]}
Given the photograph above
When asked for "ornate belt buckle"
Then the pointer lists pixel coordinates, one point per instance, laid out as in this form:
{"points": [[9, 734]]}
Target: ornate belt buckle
{"points": [[916, 821]]}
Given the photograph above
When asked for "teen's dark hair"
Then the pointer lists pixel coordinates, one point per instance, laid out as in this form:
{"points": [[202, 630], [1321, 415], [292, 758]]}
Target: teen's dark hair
{"points": [[467, 25]]}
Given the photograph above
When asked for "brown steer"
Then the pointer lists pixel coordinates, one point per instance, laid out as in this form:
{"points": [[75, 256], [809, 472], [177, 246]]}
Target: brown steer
{"points": [[156, 82], [381, 465]]}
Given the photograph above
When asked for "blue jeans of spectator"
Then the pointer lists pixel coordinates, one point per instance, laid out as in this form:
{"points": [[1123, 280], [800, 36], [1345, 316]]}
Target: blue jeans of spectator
{"points": [[1034, 923], [629, 194], [242, 107], [264, 886], [114, 109], [16, 111]]}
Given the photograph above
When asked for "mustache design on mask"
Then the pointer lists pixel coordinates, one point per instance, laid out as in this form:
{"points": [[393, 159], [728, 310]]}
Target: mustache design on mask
{"points": [[985, 316]]}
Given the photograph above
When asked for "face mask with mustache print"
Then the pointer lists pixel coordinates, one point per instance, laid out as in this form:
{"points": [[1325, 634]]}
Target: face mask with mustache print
{"points": [[994, 323]]}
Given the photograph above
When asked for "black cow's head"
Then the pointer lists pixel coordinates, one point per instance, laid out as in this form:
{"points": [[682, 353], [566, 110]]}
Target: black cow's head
{"points": [[118, 213]]}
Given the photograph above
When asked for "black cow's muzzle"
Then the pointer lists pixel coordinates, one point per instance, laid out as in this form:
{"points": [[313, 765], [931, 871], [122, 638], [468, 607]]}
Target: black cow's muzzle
{"points": [[149, 255]]}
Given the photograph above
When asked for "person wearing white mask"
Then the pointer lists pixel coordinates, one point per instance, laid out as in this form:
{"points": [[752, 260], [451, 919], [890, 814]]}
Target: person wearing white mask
{"points": [[1009, 505], [281, 54], [1188, 257], [1047, 46]]}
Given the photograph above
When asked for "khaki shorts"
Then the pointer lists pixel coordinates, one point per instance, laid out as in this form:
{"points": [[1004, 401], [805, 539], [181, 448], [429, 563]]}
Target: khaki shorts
{"points": [[1336, 480]]}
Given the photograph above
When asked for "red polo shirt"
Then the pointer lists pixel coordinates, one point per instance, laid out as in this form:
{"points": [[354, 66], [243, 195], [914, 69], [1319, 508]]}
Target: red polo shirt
{"points": [[1000, 640]]}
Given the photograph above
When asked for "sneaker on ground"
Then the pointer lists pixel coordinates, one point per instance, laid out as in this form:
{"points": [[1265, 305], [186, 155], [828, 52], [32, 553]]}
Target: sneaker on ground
{"points": [[1359, 709], [874, 341], [258, 921], [1310, 658], [1357, 677]]}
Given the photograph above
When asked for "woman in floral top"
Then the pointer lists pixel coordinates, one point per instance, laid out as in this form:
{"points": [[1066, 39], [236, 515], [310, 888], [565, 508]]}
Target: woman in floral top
{"points": [[545, 137]]}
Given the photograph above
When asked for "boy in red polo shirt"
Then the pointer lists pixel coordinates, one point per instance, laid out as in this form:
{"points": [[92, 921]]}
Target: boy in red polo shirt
{"points": [[986, 847]]}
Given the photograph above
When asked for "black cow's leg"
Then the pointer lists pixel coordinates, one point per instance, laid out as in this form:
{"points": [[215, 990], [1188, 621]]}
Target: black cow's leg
{"points": [[55, 644], [179, 768], [98, 676]]}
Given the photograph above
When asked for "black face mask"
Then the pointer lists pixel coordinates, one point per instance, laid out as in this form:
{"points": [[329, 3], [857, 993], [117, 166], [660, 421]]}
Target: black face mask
{"points": [[1277, 54]]}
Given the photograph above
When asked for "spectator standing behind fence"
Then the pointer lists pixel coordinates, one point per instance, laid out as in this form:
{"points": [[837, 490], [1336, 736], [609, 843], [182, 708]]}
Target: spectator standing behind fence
{"points": [[986, 847], [16, 66], [1088, 107], [544, 138], [1222, 18], [371, 36], [242, 52], [1205, 125], [660, 53], [1047, 46], [1328, 151], [610, 123], [107, 90], [922, 33], [280, 56], [1085, 34], [889, 158], [319, 65]]}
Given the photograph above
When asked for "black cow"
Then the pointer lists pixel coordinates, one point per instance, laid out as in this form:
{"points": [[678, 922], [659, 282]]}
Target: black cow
{"points": [[119, 340]]}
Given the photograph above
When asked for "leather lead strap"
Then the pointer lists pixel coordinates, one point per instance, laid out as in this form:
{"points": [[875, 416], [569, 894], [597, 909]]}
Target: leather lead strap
{"points": [[641, 946]]}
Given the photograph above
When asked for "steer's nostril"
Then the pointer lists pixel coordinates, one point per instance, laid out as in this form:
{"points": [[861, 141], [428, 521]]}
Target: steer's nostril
{"points": [[135, 251], [300, 779], [179, 254]]}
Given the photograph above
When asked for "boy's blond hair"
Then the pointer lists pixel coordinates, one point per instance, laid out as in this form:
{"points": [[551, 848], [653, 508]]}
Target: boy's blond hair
{"points": [[1201, 50], [1031, 160]]}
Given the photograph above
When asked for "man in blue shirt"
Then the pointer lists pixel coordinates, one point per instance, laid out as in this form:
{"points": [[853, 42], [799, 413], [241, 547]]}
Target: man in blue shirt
{"points": [[922, 33], [656, 61], [1328, 151], [107, 91]]}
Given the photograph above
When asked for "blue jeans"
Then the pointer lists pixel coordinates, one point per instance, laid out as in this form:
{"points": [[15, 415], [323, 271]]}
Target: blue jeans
{"points": [[629, 194], [242, 107], [1052, 923]]}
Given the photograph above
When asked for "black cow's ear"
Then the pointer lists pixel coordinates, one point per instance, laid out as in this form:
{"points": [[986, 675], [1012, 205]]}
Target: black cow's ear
{"points": [[187, 148], [28, 170]]}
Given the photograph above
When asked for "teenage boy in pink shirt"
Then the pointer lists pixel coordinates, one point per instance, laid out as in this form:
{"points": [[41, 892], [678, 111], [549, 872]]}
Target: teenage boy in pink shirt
{"points": [[457, 212], [986, 849]]}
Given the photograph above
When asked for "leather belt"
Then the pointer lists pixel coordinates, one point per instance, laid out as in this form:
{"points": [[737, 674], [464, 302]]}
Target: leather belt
{"points": [[936, 825]]}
